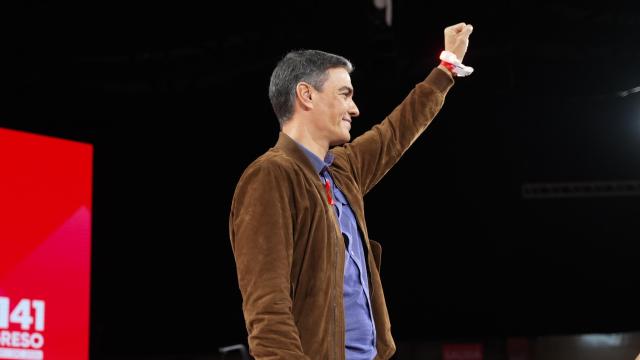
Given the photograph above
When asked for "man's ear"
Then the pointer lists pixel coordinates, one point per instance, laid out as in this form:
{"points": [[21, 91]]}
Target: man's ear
{"points": [[304, 94]]}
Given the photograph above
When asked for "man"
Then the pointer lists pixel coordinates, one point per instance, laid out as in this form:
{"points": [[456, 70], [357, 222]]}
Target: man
{"points": [[307, 270]]}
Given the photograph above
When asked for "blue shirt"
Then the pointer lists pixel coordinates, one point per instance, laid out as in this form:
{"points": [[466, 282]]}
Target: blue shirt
{"points": [[360, 336]]}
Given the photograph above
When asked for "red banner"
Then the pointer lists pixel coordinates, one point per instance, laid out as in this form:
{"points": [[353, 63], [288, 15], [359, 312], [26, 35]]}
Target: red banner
{"points": [[45, 247]]}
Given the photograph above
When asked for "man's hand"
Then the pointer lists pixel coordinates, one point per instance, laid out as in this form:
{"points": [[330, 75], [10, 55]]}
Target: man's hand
{"points": [[456, 39]]}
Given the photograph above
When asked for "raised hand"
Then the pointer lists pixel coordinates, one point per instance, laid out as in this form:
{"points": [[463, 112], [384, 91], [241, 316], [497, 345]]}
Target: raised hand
{"points": [[456, 39]]}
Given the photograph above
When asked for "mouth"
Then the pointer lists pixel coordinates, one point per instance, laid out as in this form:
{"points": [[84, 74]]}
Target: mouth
{"points": [[348, 121]]}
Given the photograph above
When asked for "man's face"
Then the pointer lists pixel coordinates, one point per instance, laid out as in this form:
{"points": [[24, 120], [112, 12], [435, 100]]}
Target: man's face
{"points": [[335, 107]]}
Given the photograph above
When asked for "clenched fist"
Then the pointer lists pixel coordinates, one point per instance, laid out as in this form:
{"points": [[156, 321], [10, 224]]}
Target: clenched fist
{"points": [[456, 39]]}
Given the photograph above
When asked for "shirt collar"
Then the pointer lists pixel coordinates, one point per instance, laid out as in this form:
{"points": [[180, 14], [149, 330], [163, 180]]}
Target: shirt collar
{"points": [[318, 164]]}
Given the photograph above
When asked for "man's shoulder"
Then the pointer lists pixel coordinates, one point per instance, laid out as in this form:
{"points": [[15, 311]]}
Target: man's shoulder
{"points": [[272, 162], [274, 158]]}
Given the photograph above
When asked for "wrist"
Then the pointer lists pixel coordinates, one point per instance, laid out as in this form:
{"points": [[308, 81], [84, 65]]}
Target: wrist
{"points": [[451, 62], [446, 67]]}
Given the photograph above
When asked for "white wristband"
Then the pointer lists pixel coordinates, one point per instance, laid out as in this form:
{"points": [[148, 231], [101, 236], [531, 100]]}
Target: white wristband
{"points": [[456, 65]]}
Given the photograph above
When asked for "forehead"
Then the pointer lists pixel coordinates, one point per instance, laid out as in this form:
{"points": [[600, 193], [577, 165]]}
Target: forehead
{"points": [[337, 78]]}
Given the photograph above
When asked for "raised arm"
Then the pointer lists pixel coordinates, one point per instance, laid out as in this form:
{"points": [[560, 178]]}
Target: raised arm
{"points": [[373, 153]]}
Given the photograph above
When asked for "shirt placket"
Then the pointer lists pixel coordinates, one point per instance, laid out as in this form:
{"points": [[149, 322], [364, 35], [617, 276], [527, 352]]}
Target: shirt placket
{"points": [[350, 250]]}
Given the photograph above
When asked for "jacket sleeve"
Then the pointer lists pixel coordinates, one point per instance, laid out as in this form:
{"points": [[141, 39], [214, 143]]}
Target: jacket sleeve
{"points": [[373, 153], [261, 232]]}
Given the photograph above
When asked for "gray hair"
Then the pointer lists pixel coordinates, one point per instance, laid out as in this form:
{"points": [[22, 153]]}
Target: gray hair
{"points": [[309, 66]]}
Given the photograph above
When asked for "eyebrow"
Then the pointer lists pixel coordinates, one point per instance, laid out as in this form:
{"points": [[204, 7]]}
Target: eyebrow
{"points": [[348, 89]]}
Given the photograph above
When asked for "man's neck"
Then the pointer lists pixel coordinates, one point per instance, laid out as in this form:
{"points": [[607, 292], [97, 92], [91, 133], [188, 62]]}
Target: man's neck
{"points": [[303, 136]]}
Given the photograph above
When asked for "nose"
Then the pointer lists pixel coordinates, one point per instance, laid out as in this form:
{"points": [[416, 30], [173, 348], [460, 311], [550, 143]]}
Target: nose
{"points": [[353, 109]]}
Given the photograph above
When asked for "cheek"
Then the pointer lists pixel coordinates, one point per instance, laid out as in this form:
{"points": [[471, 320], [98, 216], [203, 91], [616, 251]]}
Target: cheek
{"points": [[338, 106]]}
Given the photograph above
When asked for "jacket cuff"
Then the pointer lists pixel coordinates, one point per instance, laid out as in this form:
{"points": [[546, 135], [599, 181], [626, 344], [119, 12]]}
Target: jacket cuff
{"points": [[440, 80]]}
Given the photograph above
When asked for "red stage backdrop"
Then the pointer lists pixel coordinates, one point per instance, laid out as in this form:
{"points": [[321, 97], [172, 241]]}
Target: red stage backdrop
{"points": [[45, 247]]}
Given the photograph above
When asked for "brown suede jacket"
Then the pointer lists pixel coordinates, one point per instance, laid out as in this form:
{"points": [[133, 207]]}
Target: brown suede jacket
{"points": [[287, 243]]}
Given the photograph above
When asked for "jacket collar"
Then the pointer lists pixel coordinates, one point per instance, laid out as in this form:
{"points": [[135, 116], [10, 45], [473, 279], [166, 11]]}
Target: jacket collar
{"points": [[291, 148]]}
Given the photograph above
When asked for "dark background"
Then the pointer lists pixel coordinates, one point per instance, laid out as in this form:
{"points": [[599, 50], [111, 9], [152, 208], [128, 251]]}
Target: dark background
{"points": [[174, 98]]}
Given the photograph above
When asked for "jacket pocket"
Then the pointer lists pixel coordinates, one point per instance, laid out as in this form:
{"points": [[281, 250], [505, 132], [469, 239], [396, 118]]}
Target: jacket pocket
{"points": [[376, 251]]}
